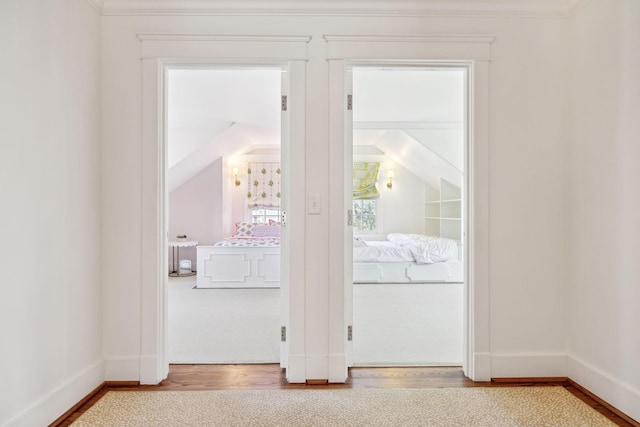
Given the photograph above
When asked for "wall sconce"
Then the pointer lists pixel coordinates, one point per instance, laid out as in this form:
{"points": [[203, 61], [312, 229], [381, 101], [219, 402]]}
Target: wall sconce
{"points": [[235, 173], [390, 183]]}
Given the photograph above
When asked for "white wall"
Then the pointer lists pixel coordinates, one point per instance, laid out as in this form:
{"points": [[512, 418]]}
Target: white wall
{"points": [[604, 201], [50, 311], [402, 205], [401, 208], [529, 109]]}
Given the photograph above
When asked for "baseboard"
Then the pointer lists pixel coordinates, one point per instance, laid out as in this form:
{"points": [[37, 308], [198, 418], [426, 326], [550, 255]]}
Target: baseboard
{"points": [[316, 367], [77, 406], [296, 373], [528, 365], [121, 369], [150, 371], [532, 380], [116, 384], [57, 401], [610, 390], [338, 372], [481, 369]]}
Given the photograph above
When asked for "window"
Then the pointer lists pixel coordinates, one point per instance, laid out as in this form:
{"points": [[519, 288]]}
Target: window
{"points": [[262, 216], [364, 215], [365, 196]]}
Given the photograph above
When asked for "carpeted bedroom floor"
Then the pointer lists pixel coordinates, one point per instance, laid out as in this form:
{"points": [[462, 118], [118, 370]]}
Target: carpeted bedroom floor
{"points": [[222, 325], [394, 325], [496, 406]]}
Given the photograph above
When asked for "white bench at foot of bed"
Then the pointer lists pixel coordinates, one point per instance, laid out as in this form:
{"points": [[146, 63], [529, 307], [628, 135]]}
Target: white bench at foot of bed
{"points": [[238, 267]]}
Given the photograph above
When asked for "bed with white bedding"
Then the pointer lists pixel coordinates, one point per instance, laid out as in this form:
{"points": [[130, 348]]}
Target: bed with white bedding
{"points": [[248, 259], [407, 258]]}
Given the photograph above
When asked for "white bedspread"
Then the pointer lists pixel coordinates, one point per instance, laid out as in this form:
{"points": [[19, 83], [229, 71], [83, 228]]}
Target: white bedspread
{"points": [[400, 247], [374, 251]]}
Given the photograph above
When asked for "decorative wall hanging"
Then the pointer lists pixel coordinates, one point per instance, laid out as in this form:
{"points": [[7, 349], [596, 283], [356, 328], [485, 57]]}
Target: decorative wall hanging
{"points": [[263, 182]]}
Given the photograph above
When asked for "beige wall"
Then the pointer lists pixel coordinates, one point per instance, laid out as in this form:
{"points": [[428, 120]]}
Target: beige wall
{"points": [[563, 92], [50, 215], [529, 110], [603, 237]]}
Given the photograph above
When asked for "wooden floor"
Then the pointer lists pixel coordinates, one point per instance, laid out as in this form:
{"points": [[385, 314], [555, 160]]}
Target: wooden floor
{"points": [[269, 377]]}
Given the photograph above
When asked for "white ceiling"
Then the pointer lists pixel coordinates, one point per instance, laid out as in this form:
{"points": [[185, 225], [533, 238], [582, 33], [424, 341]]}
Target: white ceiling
{"points": [[225, 95], [341, 7], [219, 113], [407, 96]]}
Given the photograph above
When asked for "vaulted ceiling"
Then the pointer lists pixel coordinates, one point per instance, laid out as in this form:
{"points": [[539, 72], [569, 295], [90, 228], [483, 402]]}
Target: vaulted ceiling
{"points": [[412, 116]]}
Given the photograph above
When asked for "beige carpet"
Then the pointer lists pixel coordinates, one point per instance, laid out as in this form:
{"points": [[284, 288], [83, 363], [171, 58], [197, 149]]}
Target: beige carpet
{"points": [[503, 406]]}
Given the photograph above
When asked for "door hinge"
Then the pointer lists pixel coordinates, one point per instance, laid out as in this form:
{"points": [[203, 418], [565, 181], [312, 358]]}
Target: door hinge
{"points": [[349, 218], [283, 103], [283, 333], [349, 102], [283, 218], [349, 333]]}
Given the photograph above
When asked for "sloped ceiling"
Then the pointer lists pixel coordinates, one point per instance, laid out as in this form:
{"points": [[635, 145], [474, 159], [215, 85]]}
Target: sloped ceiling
{"points": [[219, 113], [414, 116]]}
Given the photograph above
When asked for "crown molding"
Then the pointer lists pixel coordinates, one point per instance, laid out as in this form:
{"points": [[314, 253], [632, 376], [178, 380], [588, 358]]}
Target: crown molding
{"points": [[436, 38], [223, 38], [366, 8], [97, 5], [575, 5]]}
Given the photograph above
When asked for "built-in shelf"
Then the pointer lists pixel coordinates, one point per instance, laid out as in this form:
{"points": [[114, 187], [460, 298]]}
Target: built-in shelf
{"points": [[443, 211]]}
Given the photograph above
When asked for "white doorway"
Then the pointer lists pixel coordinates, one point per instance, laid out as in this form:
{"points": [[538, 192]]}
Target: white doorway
{"points": [[409, 137], [221, 121]]}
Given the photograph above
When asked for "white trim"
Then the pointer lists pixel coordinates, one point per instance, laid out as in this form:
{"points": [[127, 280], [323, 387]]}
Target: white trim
{"points": [[473, 53], [206, 51], [199, 49], [528, 365], [121, 368], [317, 367], [477, 249], [396, 8], [410, 38], [154, 249], [480, 365], [97, 5], [59, 399], [150, 366], [407, 50], [575, 5], [614, 391], [296, 373], [169, 37], [338, 372]]}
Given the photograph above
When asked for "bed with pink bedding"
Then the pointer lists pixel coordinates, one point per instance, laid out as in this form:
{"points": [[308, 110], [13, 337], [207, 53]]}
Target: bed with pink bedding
{"points": [[248, 259]]}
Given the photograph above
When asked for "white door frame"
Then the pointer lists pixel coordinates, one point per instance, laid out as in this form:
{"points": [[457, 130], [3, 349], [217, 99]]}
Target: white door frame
{"points": [[466, 66], [472, 51], [159, 53]]}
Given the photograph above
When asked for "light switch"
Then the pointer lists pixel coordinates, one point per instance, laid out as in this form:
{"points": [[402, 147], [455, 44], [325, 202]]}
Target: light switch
{"points": [[315, 204]]}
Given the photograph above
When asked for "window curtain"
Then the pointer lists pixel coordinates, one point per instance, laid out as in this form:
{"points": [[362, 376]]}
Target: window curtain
{"points": [[365, 178], [263, 180]]}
